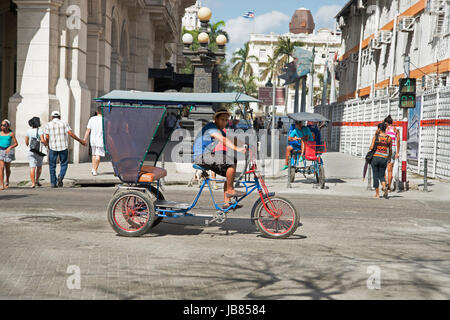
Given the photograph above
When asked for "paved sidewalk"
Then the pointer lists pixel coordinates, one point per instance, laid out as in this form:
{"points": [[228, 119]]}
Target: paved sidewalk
{"points": [[343, 177]]}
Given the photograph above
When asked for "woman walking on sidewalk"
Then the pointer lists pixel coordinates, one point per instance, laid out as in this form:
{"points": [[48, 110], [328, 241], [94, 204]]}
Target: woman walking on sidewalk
{"points": [[7, 143], [35, 159], [382, 156], [392, 167]]}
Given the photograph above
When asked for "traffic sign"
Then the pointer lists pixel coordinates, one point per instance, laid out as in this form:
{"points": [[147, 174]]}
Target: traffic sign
{"points": [[407, 93]]}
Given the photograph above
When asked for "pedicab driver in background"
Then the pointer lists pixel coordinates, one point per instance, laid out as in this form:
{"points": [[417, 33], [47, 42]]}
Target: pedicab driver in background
{"points": [[221, 162], [297, 139]]}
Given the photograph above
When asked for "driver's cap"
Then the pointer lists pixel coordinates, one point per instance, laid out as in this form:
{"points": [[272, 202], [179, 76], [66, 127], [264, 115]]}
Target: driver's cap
{"points": [[221, 110]]}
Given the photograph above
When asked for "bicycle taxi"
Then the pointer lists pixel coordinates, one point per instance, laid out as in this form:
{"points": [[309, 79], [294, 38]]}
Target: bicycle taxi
{"points": [[311, 162], [135, 140]]}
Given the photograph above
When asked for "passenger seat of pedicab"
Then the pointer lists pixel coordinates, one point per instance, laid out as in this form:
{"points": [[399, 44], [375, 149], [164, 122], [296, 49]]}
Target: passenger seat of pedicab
{"points": [[151, 174]]}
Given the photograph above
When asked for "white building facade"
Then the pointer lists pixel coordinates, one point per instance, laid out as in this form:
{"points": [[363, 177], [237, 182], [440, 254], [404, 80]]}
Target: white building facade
{"points": [[61, 54], [190, 20], [377, 35], [325, 42]]}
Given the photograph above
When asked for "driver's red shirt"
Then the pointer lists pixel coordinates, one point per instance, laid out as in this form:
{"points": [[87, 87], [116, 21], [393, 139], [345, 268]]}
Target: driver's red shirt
{"points": [[220, 146]]}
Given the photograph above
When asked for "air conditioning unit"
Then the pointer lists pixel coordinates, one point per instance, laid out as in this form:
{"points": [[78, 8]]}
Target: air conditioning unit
{"points": [[385, 37], [380, 93], [430, 82], [342, 22], [354, 57], [375, 44], [435, 6], [391, 90], [406, 24], [361, 4]]}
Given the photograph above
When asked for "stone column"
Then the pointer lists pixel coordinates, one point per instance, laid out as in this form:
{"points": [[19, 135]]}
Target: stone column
{"points": [[8, 52], [81, 94], [37, 69], [93, 61], [104, 69], [140, 39], [116, 62]]}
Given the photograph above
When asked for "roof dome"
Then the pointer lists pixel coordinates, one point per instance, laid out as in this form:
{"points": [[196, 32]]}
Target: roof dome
{"points": [[302, 22]]}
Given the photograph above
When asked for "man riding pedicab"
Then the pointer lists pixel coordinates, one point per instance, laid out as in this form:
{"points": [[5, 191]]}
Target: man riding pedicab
{"points": [[298, 136]]}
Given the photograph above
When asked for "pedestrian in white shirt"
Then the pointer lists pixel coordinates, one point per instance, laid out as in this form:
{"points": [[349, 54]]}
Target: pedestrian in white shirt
{"points": [[95, 130]]}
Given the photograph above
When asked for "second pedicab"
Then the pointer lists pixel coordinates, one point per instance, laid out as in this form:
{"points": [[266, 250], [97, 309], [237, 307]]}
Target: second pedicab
{"points": [[311, 163]]}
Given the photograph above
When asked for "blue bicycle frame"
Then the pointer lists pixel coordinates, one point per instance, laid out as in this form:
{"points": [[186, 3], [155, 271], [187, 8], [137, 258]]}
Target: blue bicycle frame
{"points": [[250, 186]]}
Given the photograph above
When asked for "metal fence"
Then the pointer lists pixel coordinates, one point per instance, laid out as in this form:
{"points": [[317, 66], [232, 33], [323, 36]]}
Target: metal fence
{"points": [[354, 123]]}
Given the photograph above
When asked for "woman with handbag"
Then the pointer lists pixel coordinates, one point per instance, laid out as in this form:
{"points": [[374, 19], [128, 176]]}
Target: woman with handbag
{"points": [[34, 140], [382, 153], [7, 144]]}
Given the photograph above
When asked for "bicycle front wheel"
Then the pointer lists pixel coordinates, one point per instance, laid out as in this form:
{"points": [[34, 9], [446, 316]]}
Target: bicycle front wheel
{"points": [[283, 225]]}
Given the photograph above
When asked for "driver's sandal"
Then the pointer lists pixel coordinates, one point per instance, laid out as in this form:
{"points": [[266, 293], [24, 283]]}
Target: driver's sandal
{"points": [[236, 194], [230, 204]]}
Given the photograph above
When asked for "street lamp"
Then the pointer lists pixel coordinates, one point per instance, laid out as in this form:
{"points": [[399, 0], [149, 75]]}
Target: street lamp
{"points": [[203, 59]]}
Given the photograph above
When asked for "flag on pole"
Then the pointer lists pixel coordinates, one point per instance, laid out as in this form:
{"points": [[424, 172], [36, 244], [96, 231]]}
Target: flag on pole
{"points": [[249, 15]]}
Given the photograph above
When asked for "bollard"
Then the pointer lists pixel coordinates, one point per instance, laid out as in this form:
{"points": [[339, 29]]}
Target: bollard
{"points": [[369, 178], [289, 175], [425, 174]]}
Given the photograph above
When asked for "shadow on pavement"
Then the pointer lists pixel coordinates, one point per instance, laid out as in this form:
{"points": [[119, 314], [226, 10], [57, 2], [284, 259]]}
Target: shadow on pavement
{"points": [[196, 225], [12, 196]]}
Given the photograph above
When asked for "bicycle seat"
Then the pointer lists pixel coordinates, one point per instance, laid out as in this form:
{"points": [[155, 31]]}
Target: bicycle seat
{"points": [[198, 167]]}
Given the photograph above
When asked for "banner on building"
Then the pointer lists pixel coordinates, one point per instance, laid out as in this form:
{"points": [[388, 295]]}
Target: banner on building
{"points": [[303, 60], [414, 130], [265, 95]]}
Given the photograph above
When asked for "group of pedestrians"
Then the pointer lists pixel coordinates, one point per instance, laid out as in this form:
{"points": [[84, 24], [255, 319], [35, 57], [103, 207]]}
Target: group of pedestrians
{"points": [[55, 137], [384, 154]]}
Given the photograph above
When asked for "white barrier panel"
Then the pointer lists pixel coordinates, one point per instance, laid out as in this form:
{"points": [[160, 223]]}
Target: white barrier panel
{"points": [[354, 123]]}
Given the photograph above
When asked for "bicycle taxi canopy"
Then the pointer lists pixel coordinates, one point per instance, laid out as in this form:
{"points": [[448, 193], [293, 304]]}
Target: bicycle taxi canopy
{"points": [[308, 116], [132, 131]]}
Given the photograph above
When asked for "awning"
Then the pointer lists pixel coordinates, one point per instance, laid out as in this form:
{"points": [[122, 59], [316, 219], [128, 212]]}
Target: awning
{"points": [[164, 98]]}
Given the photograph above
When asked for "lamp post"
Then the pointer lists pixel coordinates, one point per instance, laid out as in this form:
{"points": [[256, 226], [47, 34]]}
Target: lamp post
{"points": [[203, 59], [204, 62]]}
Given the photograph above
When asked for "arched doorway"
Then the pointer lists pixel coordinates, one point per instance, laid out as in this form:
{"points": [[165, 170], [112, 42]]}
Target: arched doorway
{"points": [[8, 53]]}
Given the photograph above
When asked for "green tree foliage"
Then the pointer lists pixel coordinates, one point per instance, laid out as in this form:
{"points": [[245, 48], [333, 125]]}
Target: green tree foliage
{"points": [[241, 62]]}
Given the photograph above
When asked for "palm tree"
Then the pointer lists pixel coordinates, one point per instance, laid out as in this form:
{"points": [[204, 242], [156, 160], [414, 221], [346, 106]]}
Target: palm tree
{"points": [[285, 48], [284, 51], [215, 31], [241, 60], [272, 69]]}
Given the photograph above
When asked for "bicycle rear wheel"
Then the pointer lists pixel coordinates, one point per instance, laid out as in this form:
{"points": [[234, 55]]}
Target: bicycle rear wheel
{"points": [[131, 213], [278, 227]]}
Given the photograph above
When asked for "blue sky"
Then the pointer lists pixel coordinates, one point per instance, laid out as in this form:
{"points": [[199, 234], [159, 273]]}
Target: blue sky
{"points": [[271, 16]]}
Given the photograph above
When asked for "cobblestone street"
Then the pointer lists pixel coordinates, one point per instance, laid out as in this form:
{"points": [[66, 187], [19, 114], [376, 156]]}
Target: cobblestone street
{"points": [[329, 257]]}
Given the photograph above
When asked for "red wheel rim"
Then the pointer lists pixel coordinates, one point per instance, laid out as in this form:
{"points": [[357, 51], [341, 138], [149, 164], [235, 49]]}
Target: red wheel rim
{"points": [[131, 213], [280, 225]]}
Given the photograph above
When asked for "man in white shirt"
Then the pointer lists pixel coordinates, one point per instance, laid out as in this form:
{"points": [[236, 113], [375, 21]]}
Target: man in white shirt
{"points": [[56, 134], [95, 130]]}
